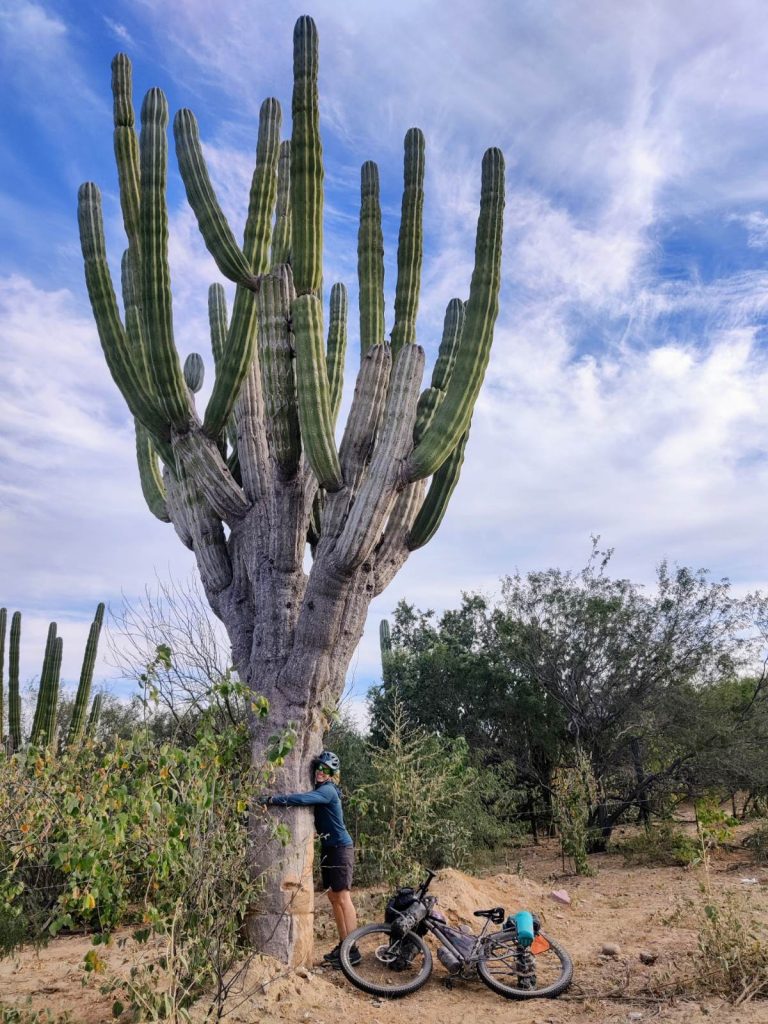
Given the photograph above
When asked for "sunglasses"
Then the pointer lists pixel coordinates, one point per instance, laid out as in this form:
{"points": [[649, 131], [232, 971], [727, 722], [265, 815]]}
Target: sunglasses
{"points": [[324, 768]]}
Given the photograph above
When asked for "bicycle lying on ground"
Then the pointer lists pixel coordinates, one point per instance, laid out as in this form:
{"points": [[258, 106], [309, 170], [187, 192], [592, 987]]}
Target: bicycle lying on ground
{"points": [[392, 959]]}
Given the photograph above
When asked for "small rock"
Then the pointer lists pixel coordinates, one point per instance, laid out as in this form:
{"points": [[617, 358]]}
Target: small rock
{"points": [[610, 949], [634, 1015], [647, 957], [561, 896]]}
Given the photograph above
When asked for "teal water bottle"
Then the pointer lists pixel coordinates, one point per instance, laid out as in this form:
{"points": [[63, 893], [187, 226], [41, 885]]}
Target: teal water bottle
{"points": [[524, 925]]}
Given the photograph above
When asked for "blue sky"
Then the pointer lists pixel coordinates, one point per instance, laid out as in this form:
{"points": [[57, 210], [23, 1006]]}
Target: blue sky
{"points": [[626, 394]]}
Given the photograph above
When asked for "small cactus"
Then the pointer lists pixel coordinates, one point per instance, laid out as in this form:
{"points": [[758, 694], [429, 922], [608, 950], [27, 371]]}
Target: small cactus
{"points": [[43, 732]]}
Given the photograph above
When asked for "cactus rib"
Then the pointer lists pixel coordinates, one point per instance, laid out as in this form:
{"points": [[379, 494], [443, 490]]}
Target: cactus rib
{"points": [[410, 243], [313, 392], [306, 163], [370, 260], [453, 417]]}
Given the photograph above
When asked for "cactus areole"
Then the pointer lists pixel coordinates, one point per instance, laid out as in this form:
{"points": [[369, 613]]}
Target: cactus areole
{"points": [[251, 480]]}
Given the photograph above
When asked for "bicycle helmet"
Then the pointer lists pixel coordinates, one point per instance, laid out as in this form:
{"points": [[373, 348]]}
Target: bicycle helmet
{"points": [[328, 760]]}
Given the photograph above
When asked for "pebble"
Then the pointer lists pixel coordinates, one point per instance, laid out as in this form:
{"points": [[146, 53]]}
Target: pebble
{"points": [[610, 949], [635, 1016], [561, 896], [647, 957]]}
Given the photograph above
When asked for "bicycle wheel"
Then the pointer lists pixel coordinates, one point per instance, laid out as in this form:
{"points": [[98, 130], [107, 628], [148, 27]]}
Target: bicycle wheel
{"points": [[382, 965], [542, 971]]}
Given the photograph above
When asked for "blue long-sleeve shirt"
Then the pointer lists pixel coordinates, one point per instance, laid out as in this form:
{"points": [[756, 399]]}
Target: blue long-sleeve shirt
{"points": [[325, 801]]}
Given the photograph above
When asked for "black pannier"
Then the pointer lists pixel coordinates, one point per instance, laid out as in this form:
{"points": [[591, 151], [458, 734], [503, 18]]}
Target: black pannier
{"points": [[398, 907]]}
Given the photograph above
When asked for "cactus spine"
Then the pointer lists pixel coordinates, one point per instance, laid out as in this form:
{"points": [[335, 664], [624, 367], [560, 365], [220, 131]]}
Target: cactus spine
{"points": [[247, 482]]}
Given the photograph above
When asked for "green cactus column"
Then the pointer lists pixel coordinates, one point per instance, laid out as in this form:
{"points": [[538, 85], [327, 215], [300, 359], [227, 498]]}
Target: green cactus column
{"points": [[77, 725], [3, 621], [14, 692]]}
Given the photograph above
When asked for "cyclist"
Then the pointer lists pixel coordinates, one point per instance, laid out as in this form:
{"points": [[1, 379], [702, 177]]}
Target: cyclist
{"points": [[337, 857]]}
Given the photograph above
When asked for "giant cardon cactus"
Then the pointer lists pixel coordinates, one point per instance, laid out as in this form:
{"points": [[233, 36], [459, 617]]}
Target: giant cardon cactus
{"points": [[43, 731], [258, 474]]}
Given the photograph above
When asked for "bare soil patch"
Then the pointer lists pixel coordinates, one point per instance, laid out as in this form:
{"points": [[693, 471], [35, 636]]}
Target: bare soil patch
{"points": [[640, 910]]}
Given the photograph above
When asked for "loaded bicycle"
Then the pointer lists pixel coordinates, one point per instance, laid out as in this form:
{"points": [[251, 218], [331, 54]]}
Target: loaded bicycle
{"points": [[392, 959]]}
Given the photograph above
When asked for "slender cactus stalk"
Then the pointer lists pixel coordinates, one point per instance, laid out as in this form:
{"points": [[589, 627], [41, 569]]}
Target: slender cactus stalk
{"points": [[3, 623], [410, 243], [82, 698], [370, 260], [14, 691]]}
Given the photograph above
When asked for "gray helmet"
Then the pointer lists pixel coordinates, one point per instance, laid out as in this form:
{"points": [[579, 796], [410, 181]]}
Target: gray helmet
{"points": [[328, 760]]}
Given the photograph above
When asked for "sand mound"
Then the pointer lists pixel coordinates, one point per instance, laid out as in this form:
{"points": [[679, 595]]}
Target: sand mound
{"points": [[460, 895]]}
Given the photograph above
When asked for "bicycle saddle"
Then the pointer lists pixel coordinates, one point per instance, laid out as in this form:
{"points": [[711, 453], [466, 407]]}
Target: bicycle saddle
{"points": [[496, 914]]}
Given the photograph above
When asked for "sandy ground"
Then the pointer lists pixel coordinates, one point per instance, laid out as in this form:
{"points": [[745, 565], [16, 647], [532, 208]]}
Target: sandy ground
{"points": [[638, 909]]}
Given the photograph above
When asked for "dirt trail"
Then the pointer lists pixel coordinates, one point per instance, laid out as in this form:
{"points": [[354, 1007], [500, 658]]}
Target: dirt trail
{"points": [[638, 909]]}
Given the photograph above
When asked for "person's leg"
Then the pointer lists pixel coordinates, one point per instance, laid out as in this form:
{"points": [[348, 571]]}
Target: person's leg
{"points": [[347, 911], [339, 913]]}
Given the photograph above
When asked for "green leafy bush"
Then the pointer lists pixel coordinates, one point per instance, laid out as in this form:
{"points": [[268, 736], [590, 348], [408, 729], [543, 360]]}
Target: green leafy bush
{"points": [[757, 843], [659, 845]]}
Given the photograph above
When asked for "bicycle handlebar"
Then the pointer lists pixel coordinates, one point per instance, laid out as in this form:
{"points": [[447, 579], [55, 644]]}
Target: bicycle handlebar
{"points": [[425, 884]]}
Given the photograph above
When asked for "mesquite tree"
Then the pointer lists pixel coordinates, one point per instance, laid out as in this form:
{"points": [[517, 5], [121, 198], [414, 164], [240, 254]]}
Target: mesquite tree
{"points": [[251, 482]]}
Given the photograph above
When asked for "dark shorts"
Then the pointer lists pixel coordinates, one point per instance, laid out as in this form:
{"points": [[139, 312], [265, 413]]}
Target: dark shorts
{"points": [[336, 865]]}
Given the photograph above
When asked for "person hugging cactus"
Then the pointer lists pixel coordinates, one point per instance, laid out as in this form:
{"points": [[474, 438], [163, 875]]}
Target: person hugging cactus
{"points": [[337, 851]]}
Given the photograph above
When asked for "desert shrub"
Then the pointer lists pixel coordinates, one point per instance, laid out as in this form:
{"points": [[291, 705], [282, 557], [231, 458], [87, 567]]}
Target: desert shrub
{"points": [[574, 791], [731, 959], [660, 845], [95, 836], [757, 843], [424, 805]]}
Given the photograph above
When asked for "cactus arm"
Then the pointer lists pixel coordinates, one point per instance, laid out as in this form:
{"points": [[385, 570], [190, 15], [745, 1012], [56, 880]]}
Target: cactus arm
{"points": [[429, 403], [176, 508], [370, 260], [93, 718], [216, 232], [194, 372], [203, 462], [217, 321], [149, 474], [258, 224], [126, 148], [435, 504], [378, 492], [306, 163], [453, 417], [155, 274], [337, 346], [313, 392], [234, 363], [207, 537], [14, 689], [130, 281], [385, 638], [410, 243], [276, 365], [453, 327], [77, 725], [281, 236], [359, 433], [3, 623], [51, 707], [104, 304], [45, 688]]}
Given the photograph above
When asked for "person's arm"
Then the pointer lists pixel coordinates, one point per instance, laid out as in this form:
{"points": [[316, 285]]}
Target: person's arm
{"points": [[313, 797]]}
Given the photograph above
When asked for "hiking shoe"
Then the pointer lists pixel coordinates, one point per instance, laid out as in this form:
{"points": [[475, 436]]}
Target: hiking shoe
{"points": [[333, 959]]}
